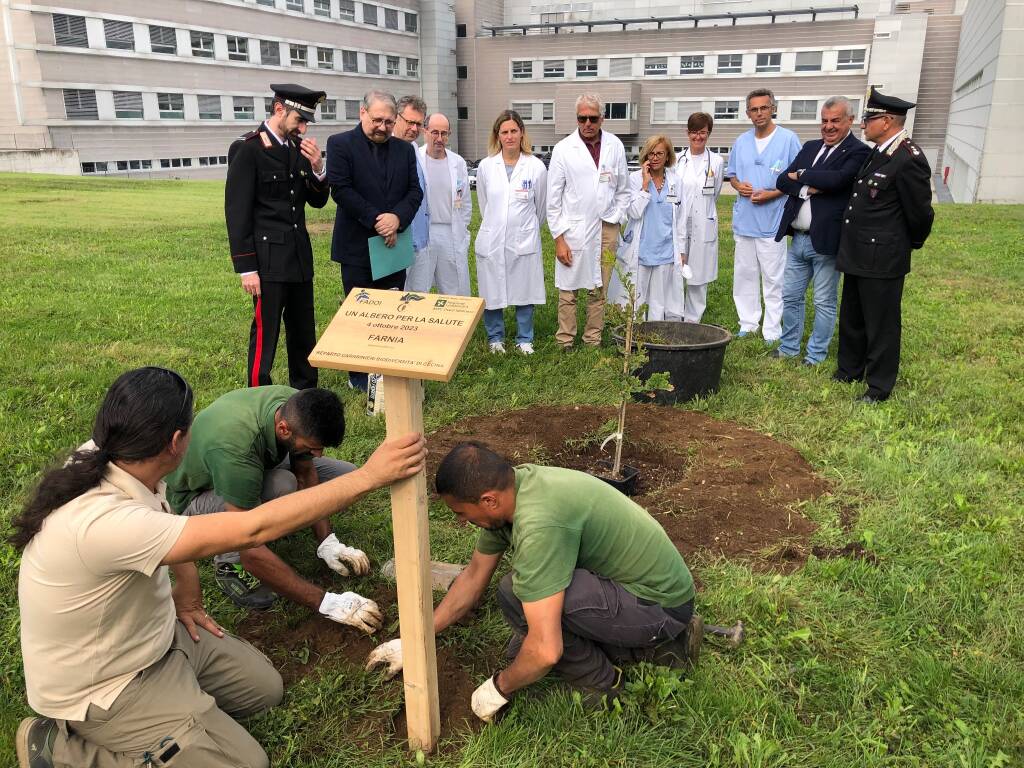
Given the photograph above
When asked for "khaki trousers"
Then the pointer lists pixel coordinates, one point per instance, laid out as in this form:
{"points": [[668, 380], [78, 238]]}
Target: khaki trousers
{"points": [[566, 333], [180, 711]]}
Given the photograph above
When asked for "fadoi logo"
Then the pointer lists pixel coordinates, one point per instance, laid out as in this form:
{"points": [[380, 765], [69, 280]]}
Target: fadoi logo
{"points": [[362, 297], [406, 299]]}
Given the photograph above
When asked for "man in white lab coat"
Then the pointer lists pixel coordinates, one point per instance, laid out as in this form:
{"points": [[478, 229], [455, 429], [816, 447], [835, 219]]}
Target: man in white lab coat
{"points": [[443, 263], [588, 192]]}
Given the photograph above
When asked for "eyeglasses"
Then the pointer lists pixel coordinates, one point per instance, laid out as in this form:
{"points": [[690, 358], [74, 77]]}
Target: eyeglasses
{"points": [[387, 123], [439, 134], [413, 123], [703, 133], [581, 119], [755, 110], [656, 155], [869, 118]]}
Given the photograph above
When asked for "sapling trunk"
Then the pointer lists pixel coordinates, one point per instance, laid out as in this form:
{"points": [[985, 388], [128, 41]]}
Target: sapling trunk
{"points": [[627, 354]]}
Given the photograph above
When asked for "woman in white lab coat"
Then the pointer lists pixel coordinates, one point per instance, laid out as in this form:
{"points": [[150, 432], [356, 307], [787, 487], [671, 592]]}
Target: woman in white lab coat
{"points": [[511, 187], [700, 170], [651, 250]]}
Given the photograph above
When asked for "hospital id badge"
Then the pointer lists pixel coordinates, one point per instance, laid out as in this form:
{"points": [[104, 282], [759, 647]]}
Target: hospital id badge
{"points": [[521, 194], [605, 177], [709, 191], [458, 203]]}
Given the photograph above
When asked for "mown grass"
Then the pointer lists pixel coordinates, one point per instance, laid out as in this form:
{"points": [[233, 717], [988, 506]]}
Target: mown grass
{"points": [[915, 658]]}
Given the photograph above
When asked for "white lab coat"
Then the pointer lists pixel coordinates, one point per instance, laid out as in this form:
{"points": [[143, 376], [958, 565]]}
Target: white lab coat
{"points": [[509, 264], [581, 196], [665, 299], [700, 224], [444, 263]]}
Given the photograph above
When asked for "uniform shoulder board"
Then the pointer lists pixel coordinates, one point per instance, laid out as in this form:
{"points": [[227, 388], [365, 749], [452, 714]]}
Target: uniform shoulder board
{"points": [[254, 134], [911, 147]]}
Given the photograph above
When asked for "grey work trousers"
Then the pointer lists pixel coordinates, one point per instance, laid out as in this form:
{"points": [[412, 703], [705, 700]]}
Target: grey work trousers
{"points": [[179, 711], [603, 625], [278, 482]]}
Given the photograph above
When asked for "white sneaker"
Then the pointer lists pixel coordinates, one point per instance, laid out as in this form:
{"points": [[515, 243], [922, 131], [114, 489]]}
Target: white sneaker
{"points": [[526, 348], [497, 348]]}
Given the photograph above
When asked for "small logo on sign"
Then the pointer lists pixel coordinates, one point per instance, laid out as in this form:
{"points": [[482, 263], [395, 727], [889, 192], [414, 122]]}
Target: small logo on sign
{"points": [[362, 297], [404, 301], [440, 302]]}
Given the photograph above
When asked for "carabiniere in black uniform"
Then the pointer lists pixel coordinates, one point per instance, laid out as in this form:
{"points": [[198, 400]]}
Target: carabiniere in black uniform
{"points": [[268, 186], [888, 216]]}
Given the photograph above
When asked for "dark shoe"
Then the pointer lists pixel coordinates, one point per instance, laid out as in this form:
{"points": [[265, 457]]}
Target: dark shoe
{"points": [[871, 398], [514, 644], [842, 379], [683, 651], [602, 698], [243, 588], [34, 742], [778, 354], [808, 363]]}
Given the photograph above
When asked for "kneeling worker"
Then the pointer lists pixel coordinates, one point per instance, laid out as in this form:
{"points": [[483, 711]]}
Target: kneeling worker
{"points": [[595, 581], [126, 670], [253, 445]]}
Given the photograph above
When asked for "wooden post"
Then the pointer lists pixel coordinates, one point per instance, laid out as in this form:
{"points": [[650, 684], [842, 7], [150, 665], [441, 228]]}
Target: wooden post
{"points": [[404, 414]]}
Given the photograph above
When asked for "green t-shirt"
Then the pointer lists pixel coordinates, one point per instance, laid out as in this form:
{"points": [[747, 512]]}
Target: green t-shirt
{"points": [[565, 520], [233, 445]]}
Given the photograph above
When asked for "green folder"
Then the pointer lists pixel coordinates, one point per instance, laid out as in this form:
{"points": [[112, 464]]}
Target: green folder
{"points": [[386, 261]]}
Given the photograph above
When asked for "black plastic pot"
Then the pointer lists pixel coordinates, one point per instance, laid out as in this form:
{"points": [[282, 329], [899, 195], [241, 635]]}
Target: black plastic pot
{"points": [[626, 484], [690, 353]]}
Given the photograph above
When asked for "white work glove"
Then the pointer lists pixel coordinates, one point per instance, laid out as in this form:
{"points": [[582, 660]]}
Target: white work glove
{"points": [[352, 609], [336, 554], [389, 653], [487, 700]]}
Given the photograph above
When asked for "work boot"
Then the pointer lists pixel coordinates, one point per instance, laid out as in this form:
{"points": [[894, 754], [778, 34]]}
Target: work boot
{"points": [[681, 652], [602, 698], [515, 643], [34, 742], [243, 588]]}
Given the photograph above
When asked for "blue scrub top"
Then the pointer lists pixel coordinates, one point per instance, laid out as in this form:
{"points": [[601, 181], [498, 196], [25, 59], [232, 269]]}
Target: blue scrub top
{"points": [[421, 221], [656, 235], [746, 165]]}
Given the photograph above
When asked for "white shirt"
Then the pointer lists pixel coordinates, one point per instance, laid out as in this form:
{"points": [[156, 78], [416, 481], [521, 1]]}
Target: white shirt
{"points": [[763, 141], [439, 190], [802, 222]]}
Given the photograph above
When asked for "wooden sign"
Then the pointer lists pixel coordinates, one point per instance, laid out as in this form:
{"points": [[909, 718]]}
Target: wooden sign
{"points": [[399, 333]]}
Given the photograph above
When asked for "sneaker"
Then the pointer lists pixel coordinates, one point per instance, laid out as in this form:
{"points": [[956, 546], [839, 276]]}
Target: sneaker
{"points": [[243, 588], [497, 347], [34, 742], [683, 651], [525, 347], [743, 334]]}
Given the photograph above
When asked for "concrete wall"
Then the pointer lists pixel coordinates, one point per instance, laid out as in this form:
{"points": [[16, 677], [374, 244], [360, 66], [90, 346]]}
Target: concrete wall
{"points": [[936, 86], [896, 57], [62, 161]]}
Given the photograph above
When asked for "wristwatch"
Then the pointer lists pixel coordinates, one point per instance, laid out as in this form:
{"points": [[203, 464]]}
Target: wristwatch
{"points": [[800, 172]]}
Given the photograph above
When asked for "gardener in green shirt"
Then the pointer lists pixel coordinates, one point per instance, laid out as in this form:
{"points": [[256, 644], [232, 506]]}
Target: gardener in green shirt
{"points": [[595, 581], [253, 445]]}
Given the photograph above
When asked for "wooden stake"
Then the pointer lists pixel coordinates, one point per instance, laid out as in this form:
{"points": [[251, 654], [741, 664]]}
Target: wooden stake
{"points": [[404, 414]]}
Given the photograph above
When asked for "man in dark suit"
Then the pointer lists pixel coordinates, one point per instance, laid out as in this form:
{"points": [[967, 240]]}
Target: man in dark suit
{"points": [[818, 183], [272, 173], [374, 181], [888, 216]]}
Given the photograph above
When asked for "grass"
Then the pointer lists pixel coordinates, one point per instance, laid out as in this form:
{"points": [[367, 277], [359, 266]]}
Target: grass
{"points": [[916, 659]]}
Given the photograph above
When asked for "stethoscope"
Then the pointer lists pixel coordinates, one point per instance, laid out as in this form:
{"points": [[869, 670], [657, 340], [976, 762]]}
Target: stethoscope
{"points": [[709, 178]]}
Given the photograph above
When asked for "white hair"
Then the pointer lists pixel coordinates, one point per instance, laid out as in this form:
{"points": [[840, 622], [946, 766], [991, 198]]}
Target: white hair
{"points": [[839, 101], [372, 96], [590, 99]]}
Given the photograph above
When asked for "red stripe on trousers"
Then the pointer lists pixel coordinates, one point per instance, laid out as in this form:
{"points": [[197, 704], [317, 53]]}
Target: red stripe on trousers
{"points": [[257, 357]]}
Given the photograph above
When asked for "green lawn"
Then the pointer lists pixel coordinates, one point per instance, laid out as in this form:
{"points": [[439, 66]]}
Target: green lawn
{"points": [[913, 659]]}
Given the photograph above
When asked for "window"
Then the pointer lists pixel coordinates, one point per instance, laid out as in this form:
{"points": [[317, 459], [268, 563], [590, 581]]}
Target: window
{"points": [[659, 112], [349, 61], [270, 52], [265, 2], [171, 106], [460, 30], [804, 109], [525, 110], [70, 30], [547, 111], [373, 63], [463, 113], [522, 70], [299, 55], [769, 62], [554, 68], [855, 106], [352, 109], [347, 10], [656, 65], [691, 65], [586, 67], [369, 14], [390, 18], [620, 67], [730, 62], [322, 7], [202, 44], [462, 72], [162, 40], [99, 167], [119, 34], [412, 22], [393, 65], [238, 48], [727, 110], [412, 67], [329, 109], [616, 110], [80, 105], [325, 58], [268, 106], [128, 105], [294, 5], [851, 59], [808, 61], [244, 109], [209, 107]]}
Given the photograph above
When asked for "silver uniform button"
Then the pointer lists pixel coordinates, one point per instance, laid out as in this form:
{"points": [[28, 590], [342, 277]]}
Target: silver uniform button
{"points": [[296, 226], [264, 237], [847, 221]]}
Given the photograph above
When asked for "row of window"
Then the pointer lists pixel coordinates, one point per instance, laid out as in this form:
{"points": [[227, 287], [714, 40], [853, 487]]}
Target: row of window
{"points": [[122, 166], [851, 59], [346, 11], [71, 31]]}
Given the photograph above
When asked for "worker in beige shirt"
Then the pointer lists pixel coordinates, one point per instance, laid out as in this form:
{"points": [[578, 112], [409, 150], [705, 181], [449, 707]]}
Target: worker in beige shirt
{"points": [[100, 622]]}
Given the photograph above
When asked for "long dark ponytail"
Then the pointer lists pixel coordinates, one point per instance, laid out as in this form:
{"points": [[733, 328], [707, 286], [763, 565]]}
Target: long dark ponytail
{"points": [[139, 415]]}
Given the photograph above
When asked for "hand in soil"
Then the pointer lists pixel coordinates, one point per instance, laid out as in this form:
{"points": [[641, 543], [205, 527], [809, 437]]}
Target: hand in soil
{"points": [[390, 654], [352, 609], [488, 701]]}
